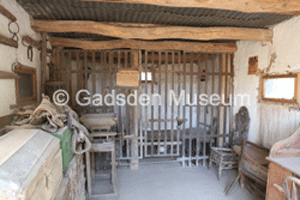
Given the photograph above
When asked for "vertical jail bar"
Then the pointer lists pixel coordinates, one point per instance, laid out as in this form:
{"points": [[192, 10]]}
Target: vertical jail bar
{"points": [[184, 110], [172, 111], [178, 106], [198, 108], [146, 107], [212, 115], [152, 106], [191, 108], [159, 106], [166, 103], [205, 110]]}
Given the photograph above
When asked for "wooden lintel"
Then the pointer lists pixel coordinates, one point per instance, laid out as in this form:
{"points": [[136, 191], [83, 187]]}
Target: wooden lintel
{"points": [[7, 14], [8, 75], [151, 31], [145, 45], [248, 6], [32, 42], [8, 41]]}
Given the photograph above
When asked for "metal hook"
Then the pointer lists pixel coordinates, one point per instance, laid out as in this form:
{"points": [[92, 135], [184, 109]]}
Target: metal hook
{"points": [[24, 43], [15, 36], [30, 53], [9, 28], [13, 66]]}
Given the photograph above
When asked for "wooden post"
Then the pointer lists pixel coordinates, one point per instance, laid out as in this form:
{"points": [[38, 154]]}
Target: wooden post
{"points": [[134, 145], [222, 108], [43, 63]]}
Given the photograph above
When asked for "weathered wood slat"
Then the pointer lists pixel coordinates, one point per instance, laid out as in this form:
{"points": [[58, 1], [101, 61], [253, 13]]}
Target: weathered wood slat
{"points": [[248, 6], [43, 62], [8, 41], [7, 14], [56, 83], [152, 32], [146, 45], [8, 75]]}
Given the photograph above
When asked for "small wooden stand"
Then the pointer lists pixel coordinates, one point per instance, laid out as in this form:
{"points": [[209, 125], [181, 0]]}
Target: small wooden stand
{"points": [[106, 145]]}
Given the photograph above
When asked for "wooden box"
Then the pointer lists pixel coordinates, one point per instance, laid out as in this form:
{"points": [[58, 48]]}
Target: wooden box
{"points": [[30, 165]]}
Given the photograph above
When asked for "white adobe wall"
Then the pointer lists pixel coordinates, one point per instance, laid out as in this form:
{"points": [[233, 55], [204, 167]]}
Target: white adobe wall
{"points": [[9, 55], [270, 122], [248, 84]]}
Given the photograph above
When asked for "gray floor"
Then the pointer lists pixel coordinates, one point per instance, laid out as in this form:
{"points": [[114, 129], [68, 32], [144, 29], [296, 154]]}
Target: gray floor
{"points": [[173, 182]]}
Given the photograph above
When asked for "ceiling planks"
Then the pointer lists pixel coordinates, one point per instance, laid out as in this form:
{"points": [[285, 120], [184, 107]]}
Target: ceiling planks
{"points": [[151, 31], [247, 6]]}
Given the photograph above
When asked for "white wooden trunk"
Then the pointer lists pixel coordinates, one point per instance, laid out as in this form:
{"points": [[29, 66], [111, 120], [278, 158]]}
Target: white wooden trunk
{"points": [[30, 165]]}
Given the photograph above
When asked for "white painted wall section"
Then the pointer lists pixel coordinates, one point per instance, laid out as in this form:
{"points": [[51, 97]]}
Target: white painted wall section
{"points": [[9, 55], [270, 122]]}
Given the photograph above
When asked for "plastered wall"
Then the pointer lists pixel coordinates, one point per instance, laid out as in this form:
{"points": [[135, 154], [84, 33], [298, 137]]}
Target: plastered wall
{"points": [[270, 122], [9, 55]]}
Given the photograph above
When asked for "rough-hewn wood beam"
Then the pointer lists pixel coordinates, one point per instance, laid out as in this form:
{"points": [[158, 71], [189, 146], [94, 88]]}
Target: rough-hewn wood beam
{"points": [[152, 32], [32, 42], [248, 6], [146, 45], [8, 41], [8, 75], [7, 14]]}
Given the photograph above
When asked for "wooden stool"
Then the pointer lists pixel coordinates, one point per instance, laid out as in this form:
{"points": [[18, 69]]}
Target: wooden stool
{"points": [[224, 158]]}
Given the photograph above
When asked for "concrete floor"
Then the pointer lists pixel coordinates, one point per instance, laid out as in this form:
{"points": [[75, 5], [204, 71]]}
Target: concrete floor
{"points": [[173, 182]]}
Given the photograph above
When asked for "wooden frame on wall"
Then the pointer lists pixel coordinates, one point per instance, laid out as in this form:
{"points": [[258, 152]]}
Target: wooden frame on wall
{"points": [[21, 70], [266, 77]]}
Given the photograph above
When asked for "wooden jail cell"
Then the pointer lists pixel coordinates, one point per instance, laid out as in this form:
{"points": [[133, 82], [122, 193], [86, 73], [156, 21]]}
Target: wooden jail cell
{"points": [[179, 121]]}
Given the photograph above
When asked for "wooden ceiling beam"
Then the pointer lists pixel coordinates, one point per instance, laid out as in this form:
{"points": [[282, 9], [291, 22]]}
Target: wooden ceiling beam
{"points": [[151, 31], [145, 45], [247, 6]]}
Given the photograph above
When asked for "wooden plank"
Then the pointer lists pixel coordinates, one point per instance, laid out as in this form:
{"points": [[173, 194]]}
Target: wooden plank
{"points": [[88, 173], [166, 105], [172, 108], [146, 92], [184, 110], [222, 92], [152, 104], [32, 42], [159, 83], [191, 110], [8, 75], [248, 6], [179, 106], [43, 63], [205, 111], [5, 120], [7, 14], [8, 41], [151, 31], [146, 45], [276, 176]]}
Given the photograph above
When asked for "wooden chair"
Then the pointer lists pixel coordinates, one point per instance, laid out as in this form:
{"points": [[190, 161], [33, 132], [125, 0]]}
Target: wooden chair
{"points": [[224, 157], [252, 164]]}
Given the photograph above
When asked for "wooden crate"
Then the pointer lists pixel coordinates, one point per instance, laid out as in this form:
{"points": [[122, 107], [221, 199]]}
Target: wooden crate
{"points": [[30, 165]]}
